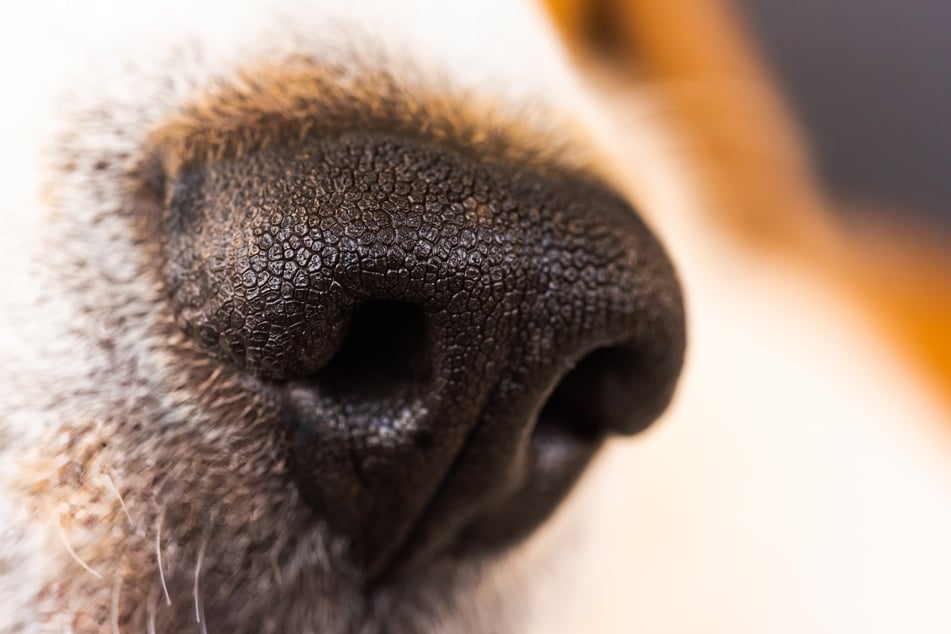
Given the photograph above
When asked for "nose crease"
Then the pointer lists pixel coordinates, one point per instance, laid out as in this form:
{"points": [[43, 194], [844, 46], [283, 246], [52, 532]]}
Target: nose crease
{"points": [[451, 338]]}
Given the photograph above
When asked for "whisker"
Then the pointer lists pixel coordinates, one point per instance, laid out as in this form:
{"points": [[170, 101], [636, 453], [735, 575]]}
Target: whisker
{"points": [[125, 509], [201, 557], [116, 590], [158, 555], [150, 609], [72, 553]]}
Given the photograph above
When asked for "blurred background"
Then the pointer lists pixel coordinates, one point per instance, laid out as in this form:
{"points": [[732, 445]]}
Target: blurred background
{"points": [[866, 83], [870, 81]]}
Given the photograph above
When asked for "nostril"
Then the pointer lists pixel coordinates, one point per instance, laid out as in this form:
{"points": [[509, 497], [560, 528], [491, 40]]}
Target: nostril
{"points": [[406, 307], [386, 349], [610, 390]]}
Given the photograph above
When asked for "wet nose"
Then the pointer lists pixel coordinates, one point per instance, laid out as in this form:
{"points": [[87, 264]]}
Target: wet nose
{"points": [[450, 336]]}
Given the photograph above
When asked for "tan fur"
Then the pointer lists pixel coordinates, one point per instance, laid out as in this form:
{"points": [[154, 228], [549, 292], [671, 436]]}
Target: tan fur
{"points": [[297, 98]]}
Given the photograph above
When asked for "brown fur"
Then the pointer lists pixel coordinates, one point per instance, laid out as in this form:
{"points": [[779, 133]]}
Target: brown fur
{"points": [[292, 100]]}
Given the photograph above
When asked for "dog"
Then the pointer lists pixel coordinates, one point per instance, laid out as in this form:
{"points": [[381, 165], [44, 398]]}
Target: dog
{"points": [[323, 317]]}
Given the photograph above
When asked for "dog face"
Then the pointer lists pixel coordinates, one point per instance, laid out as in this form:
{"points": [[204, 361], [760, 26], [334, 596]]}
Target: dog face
{"points": [[314, 315], [343, 308]]}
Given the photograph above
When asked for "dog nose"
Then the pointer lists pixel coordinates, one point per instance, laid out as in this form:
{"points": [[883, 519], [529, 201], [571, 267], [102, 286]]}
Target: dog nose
{"points": [[450, 336]]}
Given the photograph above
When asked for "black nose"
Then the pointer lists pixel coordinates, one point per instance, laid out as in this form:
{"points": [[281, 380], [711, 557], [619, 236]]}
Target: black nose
{"points": [[452, 336]]}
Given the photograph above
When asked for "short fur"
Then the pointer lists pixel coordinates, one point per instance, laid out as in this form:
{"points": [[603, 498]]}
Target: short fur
{"points": [[800, 482]]}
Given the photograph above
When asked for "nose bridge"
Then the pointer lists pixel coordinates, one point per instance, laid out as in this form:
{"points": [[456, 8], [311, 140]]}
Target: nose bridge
{"points": [[467, 259]]}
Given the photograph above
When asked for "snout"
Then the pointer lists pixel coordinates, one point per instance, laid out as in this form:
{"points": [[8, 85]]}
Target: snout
{"points": [[450, 338]]}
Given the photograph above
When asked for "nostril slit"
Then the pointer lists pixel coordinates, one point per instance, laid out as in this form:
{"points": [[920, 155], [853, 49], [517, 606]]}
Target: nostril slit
{"points": [[386, 351], [603, 393]]}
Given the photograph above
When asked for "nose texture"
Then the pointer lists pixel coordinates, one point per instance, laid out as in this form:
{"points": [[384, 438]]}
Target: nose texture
{"points": [[451, 337]]}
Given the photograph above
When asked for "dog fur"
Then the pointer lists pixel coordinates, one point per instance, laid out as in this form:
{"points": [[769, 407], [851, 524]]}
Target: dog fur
{"points": [[799, 482]]}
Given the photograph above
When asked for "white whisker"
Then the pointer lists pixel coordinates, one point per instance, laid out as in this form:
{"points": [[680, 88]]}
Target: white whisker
{"points": [[150, 609], [72, 553], [125, 509], [158, 556], [116, 590], [201, 557]]}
